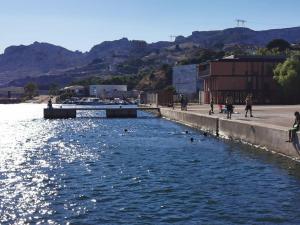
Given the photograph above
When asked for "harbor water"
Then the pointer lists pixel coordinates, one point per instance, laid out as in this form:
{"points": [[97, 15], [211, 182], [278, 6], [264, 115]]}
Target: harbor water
{"points": [[93, 170]]}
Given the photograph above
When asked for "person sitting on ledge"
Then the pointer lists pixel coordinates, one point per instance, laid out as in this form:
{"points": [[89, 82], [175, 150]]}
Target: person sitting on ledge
{"points": [[50, 104], [295, 128], [221, 110]]}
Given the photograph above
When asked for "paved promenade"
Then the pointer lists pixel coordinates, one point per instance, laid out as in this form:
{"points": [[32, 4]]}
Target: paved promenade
{"points": [[265, 114]]}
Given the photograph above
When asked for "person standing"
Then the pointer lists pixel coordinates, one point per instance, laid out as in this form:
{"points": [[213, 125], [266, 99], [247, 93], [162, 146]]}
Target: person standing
{"points": [[229, 107], [186, 101], [182, 102], [211, 105], [295, 128], [50, 104], [249, 103]]}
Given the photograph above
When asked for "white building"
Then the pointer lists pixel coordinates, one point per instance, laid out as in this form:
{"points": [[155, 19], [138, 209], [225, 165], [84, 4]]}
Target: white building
{"points": [[186, 79], [107, 91]]}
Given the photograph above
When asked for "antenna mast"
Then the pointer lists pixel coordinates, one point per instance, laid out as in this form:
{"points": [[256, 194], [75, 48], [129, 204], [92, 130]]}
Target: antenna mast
{"points": [[172, 37], [240, 22]]}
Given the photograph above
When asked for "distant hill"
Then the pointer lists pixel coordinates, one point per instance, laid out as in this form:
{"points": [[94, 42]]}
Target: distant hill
{"points": [[37, 59], [43, 62], [240, 35]]}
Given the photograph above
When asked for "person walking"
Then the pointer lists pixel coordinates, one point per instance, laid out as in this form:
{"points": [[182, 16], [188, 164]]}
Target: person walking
{"points": [[249, 103], [295, 128]]}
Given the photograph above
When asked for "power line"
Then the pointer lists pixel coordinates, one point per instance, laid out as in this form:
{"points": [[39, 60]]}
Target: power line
{"points": [[272, 24]]}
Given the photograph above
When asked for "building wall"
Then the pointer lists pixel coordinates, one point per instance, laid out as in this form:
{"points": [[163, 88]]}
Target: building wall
{"points": [[186, 79], [11, 92], [237, 79], [242, 68]]}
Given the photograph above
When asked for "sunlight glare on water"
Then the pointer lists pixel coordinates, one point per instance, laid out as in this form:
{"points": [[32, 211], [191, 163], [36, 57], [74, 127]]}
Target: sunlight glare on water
{"points": [[88, 170]]}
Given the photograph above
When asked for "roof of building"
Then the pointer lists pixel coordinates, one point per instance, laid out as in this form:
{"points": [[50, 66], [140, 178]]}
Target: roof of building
{"points": [[75, 87], [107, 85], [252, 58], [248, 58]]}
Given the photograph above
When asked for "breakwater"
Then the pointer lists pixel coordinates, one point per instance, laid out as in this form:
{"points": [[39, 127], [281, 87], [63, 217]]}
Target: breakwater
{"points": [[270, 137]]}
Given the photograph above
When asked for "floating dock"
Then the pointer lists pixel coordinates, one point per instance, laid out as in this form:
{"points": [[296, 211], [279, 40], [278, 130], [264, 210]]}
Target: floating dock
{"points": [[66, 113]]}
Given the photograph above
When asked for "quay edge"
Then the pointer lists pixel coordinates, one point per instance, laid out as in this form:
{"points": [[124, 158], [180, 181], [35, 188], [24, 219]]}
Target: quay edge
{"points": [[270, 137]]}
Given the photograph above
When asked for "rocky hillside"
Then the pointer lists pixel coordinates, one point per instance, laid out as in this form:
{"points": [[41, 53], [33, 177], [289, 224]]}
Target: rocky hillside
{"points": [[240, 36], [37, 59], [45, 63]]}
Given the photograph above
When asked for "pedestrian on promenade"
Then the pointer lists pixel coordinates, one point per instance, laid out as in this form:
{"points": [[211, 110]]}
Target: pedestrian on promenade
{"points": [[182, 102], [249, 103], [186, 101], [50, 103], [211, 106], [229, 107], [295, 128]]}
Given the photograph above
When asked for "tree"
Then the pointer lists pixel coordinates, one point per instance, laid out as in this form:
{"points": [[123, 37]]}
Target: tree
{"points": [[54, 89], [287, 75], [170, 88], [266, 52], [280, 44], [30, 89]]}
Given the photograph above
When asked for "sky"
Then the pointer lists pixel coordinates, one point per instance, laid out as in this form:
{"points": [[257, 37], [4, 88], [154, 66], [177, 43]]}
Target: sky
{"points": [[81, 24]]}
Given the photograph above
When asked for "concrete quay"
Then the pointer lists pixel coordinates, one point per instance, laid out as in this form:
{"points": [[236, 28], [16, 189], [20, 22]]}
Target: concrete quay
{"points": [[65, 113], [268, 129]]}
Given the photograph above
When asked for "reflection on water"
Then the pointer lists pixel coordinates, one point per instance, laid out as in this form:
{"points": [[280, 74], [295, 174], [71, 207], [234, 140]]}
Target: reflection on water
{"points": [[90, 171]]}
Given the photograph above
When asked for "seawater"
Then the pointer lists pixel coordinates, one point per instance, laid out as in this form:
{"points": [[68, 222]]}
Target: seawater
{"points": [[88, 170]]}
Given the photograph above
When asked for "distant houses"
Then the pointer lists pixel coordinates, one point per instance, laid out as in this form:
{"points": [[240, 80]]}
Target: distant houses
{"points": [[99, 91], [75, 90], [234, 76], [12, 92], [112, 91]]}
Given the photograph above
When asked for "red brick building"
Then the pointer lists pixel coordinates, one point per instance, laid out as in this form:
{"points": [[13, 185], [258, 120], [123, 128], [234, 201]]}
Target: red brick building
{"points": [[238, 76]]}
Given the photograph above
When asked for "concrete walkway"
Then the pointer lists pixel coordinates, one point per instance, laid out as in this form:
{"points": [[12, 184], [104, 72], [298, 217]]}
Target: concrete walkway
{"points": [[264, 114], [42, 99]]}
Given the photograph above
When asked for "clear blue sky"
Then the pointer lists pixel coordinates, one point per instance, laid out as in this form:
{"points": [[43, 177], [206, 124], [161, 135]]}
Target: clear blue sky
{"points": [[80, 24]]}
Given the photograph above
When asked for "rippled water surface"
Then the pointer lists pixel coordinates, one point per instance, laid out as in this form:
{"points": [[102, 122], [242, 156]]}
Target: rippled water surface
{"points": [[90, 171]]}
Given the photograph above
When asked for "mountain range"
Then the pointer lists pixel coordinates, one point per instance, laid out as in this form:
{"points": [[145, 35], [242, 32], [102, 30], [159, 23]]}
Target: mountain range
{"points": [[46, 63]]}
